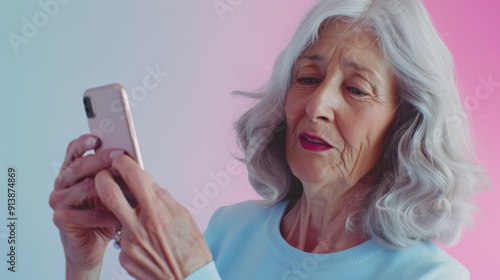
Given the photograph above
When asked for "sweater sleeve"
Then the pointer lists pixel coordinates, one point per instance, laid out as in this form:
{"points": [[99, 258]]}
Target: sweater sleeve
{"points": [[206, 272], [447, 271]]}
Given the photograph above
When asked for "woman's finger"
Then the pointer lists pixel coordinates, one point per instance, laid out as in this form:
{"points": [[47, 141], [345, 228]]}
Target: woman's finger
{"points": [[78, 147], [139, 182], [87, 218], [85, 166], [79, 195], [75, 196], [111, 195]]}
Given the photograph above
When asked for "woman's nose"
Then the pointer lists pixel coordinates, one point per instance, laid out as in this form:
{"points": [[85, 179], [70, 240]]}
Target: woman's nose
{"points": [[323, 101]]}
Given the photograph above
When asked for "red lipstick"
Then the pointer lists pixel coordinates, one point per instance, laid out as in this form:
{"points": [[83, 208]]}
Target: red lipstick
{"points": [[313, 143]]}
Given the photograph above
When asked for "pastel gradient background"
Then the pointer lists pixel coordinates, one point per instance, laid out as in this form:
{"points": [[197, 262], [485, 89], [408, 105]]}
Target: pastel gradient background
{"points": [[184, 124]]}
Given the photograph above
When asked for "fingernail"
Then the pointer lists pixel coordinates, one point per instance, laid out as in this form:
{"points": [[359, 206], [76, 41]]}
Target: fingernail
{"points": [[116, 153], [91, 141], [114, 172]]}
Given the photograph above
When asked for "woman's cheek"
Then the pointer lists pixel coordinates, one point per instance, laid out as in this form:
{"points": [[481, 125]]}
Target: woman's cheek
{"points": [[353, 132], [292, 119]]}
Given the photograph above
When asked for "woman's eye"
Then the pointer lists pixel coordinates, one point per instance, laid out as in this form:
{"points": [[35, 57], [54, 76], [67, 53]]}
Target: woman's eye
{"points": [[308, 80], [356, 91]]}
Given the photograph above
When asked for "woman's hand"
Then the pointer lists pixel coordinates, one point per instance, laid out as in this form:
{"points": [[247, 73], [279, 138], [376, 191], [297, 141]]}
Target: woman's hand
{"points": [[85, 225], [159, 237]]}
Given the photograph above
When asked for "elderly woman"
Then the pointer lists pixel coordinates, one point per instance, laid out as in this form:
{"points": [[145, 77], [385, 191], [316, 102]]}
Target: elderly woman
{"points": [[358, 145]]}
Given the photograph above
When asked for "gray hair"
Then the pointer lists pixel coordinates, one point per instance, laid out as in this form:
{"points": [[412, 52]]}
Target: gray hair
{"points": [[429, 168]]}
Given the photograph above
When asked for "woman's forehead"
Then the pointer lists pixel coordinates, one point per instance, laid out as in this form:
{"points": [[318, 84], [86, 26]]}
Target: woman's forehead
{"points": [[347, 43]]}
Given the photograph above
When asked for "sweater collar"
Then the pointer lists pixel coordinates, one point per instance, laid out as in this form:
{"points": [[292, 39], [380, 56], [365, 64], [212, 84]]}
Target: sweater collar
{"points": [[296, 258]]}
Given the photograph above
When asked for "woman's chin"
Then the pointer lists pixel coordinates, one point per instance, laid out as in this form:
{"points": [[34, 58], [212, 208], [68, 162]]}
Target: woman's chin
{"points": [[310, 174]]}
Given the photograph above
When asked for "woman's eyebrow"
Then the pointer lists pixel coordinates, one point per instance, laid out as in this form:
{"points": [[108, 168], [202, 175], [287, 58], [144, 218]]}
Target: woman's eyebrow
{"points": [[376, 77], [314, 57]]}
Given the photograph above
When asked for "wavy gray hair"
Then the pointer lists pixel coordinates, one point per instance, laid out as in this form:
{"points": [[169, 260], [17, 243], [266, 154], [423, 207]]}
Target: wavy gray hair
{"points": [[429, 169]]}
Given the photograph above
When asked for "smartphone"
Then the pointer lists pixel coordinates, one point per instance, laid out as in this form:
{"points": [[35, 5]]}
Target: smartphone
{"points": [[110, 119]]}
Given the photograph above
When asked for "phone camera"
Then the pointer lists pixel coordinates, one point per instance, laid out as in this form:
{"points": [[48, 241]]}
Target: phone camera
{"points": [[89, 109]]}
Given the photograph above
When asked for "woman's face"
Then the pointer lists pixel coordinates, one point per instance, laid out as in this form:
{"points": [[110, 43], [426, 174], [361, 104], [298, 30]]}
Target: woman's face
{"points": [[342, 92]]}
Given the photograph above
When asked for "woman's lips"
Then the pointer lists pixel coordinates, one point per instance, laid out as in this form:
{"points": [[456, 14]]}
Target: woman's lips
{"points": [[313, 143]]}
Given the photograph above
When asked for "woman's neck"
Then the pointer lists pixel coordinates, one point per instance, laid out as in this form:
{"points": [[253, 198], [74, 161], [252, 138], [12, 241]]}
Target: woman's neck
{"points": [[317, 223]]}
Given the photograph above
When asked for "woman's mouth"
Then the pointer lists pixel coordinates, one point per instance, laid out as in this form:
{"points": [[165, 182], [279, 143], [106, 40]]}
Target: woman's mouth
{"points": [[313, 143]]}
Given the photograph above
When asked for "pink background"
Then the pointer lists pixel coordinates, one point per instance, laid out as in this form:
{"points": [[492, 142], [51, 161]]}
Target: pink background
{"points": [[250, 37], [184, 125], [471, 31]]}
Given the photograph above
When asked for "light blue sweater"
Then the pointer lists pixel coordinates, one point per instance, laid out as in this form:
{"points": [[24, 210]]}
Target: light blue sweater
{"points": [[246, 243]]}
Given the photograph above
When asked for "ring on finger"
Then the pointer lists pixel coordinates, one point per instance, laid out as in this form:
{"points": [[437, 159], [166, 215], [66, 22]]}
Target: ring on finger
{"points": [[118, 237]]}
